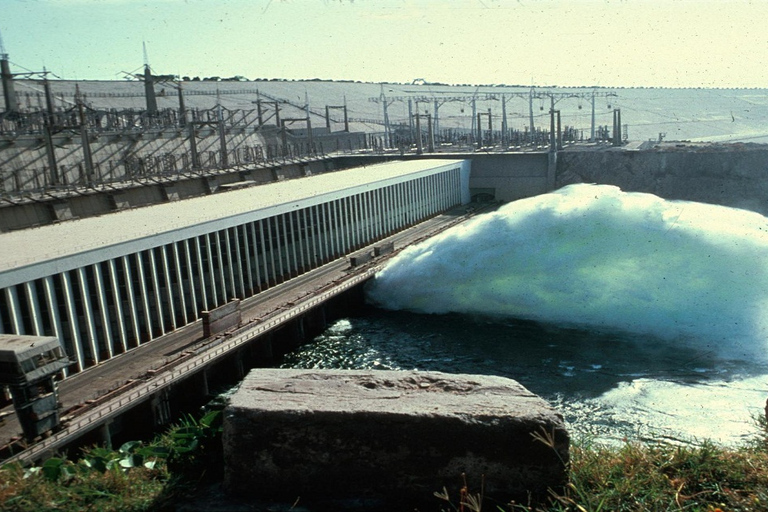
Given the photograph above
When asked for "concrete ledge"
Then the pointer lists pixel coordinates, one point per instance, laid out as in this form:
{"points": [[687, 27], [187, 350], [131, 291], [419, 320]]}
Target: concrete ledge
{"points": [[391, 437]]}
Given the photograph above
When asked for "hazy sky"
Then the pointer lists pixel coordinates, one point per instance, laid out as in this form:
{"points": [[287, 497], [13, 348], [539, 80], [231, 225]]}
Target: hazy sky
{"points": [[676, 43]]}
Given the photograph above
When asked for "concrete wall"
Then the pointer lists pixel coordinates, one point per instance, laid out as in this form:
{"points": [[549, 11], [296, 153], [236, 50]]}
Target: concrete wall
{"points": [[727, 174], [509, 177]]}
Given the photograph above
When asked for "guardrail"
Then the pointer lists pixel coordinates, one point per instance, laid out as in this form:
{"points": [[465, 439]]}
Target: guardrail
{"points": [[111, 408]]}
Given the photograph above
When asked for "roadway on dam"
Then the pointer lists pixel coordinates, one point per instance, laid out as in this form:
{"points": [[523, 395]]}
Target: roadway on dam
{"points": [[95, 391]]}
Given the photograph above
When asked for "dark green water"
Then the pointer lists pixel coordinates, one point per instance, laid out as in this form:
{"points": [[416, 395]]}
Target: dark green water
{"points": [[609, 386]]}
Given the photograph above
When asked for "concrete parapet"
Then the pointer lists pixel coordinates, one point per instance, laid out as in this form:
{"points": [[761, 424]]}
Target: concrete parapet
{"points": [[222, 318], [392, 438]]}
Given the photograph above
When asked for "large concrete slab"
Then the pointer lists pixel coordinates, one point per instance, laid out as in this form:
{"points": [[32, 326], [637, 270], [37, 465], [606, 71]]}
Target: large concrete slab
{"points": [[390, 437]]}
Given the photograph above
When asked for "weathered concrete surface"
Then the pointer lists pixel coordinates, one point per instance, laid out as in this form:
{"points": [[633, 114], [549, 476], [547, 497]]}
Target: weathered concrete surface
{"points": [[725, 174], [393, 437]]}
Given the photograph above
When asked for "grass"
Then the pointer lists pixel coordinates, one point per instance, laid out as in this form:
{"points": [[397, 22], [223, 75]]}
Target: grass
{"points": [[135, 477], [630, 477]]}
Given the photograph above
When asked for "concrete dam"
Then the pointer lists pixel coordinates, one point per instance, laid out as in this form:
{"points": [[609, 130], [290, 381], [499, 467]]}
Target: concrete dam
{"points": [[114, 255]]}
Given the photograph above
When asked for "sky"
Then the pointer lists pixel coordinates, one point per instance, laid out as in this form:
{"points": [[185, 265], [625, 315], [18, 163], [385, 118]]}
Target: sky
{"points": [[627, 43]]}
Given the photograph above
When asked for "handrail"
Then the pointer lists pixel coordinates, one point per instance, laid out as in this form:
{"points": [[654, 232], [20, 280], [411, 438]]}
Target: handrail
{"points": [[118, 404]]}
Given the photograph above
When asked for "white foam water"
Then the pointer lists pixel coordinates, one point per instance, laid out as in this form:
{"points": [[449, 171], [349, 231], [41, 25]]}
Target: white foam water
{"points": [[596, 257]]}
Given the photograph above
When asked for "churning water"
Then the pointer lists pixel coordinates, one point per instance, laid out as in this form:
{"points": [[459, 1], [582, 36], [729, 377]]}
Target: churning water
{"points": [[636, 316]]}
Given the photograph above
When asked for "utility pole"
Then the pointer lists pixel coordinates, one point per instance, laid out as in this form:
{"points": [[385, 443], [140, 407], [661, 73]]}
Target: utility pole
{"points": [[530, 111], [50, 122], [309, 123], [430, 135], [617, 138], [419, 149], [9, 93], [258, 108], [437, 119], [410, 117], [504, 137], [149, 85], [182, 107], [592, 129], [222, 132], [87, 156]]}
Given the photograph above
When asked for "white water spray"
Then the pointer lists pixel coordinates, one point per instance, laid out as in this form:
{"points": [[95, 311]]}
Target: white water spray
{"points": [[596, 257]]}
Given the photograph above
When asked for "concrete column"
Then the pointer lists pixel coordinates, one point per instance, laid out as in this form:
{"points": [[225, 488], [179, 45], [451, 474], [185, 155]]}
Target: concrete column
{"points": [[180, 289], [266, 251], [346, 224], [226, 295], [227, 288], [434, 193], [90, 323], [315, 247], [204, 380], [325, 227], [14, 310], [294, 230], [446, 189], [210, 278], [247, 251], [374, 216], [146, 308], [132, 309], [349, 207], [168, 287], [255, 251], [52, 307], [290, 244], [156, 288], [106, 326], [306, 249], [231, 263], [201, 273], [105, 434], [379, 213], [74, 328], [118, 301], [271, 249], [30, 291], [397, 212], [551, 170], [342, 225], [284, 261], [331, 215], [360, 218], [322, 232], [418, 197]]}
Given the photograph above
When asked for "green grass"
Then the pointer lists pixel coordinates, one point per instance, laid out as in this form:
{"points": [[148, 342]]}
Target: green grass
{"points": [[136, 477], [630, 477]]}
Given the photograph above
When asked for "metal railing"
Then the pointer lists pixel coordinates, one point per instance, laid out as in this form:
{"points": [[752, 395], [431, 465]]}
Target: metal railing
{"points": [[121, 403]]}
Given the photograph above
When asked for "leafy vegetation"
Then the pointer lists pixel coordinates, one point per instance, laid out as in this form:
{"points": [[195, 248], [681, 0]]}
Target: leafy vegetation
{"points": [[136, 477]]}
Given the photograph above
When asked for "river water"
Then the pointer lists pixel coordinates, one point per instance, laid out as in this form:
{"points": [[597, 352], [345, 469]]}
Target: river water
{"points": [[638, 318]]}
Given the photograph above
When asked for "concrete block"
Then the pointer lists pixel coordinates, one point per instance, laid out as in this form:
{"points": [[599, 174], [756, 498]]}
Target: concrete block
{"points": [[171, 193], [360, 258], [120, 201], [394, 437], [62, 211], [382, 249], [222, 318]]}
